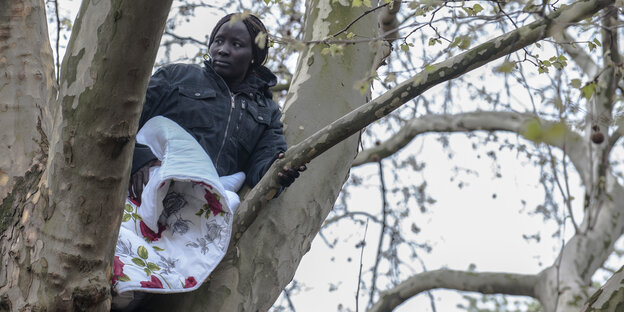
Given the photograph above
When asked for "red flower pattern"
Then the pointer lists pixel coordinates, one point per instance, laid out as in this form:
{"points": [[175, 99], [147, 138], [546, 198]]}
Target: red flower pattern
{"points": [[135, 201], [190, 282], [154, 283], [149, 234], [117, 269], [213, 203]]}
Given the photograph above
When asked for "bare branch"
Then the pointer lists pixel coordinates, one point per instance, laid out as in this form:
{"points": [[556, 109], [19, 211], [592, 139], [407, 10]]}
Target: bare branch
{"points": [[485, 283], [359, 118], [470, 122]]}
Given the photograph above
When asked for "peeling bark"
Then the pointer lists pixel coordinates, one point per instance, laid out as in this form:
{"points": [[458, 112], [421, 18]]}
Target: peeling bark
{"points": [[483, 282], [83, 186], [26, 86]]}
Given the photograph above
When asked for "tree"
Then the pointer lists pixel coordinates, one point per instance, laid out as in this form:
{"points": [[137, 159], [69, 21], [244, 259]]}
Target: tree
{"points": [[66, 163]]}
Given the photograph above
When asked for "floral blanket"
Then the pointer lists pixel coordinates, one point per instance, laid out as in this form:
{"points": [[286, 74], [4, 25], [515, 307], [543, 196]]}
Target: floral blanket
{"points": [[181, 230]]}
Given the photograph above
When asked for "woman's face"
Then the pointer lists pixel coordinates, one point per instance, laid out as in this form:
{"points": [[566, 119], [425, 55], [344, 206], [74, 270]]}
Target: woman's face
{"points": [[232, 52]]}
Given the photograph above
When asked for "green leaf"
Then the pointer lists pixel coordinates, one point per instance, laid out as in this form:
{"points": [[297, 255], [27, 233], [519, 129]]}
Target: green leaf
{"points": [[129, 208], [591, 45], [147, 271], [362, 86], [124, 278], [368, 3], [462, 42], [575, 83], [158, 248], [597, 42], [137, 216], [405, 47], [469, 11], [433, 41], [199, 213], [533, 131], [430, 68], [153, 266], [555, 132], [261, 40], [138, 262], [477, 8], [588, 90], [506, 67], [356, 3], [142, 252], [350, 35], [126, 217]]}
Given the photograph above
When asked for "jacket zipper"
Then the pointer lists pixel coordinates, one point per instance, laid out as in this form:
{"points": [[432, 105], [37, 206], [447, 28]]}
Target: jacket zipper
{"points": [[227, 126]]}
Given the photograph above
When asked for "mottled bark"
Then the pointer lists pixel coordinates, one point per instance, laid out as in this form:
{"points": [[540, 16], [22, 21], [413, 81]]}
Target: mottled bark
{"points": [[26, 86], [53, 253], [482, 282], [610, 297]]}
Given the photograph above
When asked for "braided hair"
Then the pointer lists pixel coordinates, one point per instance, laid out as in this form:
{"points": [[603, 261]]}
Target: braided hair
{"points": [[255, 27]]}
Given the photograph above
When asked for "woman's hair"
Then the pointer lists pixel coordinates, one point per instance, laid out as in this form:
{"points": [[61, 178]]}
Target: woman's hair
{"points": [[254, 26]]}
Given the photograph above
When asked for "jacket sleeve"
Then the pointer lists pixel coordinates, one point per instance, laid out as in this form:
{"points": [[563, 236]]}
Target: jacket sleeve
{"points": [[159, 85], [271, 143]]}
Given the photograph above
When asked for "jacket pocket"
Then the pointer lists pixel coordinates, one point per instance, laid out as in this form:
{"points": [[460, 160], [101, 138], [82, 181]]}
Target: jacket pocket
{"points": [[254, 121], [196, 107]]}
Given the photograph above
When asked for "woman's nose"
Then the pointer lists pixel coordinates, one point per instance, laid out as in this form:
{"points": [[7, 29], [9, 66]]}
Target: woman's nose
{"points": [[223, 50]]}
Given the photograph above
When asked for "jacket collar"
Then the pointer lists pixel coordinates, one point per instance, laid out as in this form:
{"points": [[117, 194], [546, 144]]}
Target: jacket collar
{"points": [[257, 81]]}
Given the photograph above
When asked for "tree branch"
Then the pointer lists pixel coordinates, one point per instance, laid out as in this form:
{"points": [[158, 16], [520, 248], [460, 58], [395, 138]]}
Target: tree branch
{"points": [[474, 121], [357, 119], [485, 283]]}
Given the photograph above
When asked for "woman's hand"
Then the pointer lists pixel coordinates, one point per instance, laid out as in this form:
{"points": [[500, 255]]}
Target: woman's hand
{"points": [[288, 175], [139, 179]]}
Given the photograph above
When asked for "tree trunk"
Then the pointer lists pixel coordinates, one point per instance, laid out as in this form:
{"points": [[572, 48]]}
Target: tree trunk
{"points": [[52, 253]]}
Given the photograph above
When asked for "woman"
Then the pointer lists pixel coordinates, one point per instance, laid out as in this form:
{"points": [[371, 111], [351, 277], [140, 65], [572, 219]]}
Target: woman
{"points": [[226, 105]]}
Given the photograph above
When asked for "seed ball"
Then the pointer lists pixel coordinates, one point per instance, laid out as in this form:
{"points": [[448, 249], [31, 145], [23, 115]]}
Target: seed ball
{"points": [[597, 137]]}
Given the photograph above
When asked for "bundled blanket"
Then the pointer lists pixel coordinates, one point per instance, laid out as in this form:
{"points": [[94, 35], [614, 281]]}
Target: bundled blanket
{"points": [[180, 231]]}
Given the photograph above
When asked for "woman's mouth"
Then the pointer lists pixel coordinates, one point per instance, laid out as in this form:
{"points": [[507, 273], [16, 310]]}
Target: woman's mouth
{"points": [[220, 63]]}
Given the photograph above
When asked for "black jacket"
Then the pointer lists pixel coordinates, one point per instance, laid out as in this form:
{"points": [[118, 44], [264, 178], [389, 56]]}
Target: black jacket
{"points": [[240, 130]]}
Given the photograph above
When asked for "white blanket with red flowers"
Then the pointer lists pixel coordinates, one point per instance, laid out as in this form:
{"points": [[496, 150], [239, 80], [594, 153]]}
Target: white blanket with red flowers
{"points": [[181, 230]]}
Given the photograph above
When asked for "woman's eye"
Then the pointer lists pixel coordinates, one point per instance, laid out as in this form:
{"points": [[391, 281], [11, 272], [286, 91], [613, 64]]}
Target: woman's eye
{"points": [[237, 44]]}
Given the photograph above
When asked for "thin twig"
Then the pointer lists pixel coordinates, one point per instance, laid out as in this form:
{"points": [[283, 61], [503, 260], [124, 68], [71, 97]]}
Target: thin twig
{"points": [[358, 18], [184, 39], [290, 303], [384, 213], [357, 293]]}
